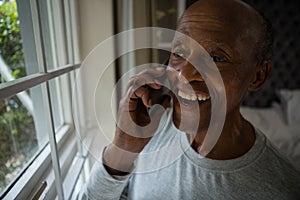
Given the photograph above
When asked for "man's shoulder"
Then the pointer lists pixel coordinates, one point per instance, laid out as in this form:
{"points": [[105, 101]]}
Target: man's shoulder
{"points": [[274, 160]]}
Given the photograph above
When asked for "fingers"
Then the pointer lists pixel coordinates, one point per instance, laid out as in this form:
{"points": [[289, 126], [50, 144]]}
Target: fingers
{"points": [[144, 79], [140, 84], [166, 101], [154, 71], [149, 96], [142, 93], [150, 77]]}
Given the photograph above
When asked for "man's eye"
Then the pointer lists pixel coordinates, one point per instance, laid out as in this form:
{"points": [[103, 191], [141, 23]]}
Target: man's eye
{"points": [[217, 58]]}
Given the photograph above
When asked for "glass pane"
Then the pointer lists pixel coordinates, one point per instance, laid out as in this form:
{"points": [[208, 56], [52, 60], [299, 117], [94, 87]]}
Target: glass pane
{"points": [[12, 65], [19, 140], [39, 116], [53, 29]]}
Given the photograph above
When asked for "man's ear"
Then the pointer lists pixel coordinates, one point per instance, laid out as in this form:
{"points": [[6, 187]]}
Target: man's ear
{"points": [[261, 74]]}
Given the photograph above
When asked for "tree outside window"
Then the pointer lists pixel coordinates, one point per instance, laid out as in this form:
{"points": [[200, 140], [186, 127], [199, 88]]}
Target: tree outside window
{"points": [[18, 140]]}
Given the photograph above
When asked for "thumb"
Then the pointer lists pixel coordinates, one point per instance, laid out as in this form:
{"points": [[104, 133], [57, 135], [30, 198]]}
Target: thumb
{"points": [[157, 111]]}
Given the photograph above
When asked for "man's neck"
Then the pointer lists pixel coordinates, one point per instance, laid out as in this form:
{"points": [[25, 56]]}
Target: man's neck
{"points": [[235, 140]]}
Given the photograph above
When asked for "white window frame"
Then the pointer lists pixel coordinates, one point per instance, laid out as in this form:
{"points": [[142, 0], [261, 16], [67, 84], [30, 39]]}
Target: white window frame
{"points": [[61, 161]]}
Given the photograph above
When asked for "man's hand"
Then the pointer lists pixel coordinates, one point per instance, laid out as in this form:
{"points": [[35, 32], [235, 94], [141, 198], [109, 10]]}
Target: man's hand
{"points": [[138, 119]]}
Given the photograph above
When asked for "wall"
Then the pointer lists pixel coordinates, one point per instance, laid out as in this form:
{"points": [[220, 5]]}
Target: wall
{"points": [[96, 25]]}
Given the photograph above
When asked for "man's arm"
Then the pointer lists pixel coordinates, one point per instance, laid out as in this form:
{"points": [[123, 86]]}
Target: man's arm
{"points": [[134, 130], [135, 127], [102, 185]]}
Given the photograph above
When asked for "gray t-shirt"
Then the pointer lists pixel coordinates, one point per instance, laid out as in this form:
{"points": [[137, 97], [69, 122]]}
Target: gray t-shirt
{"points": [[169, 168]]}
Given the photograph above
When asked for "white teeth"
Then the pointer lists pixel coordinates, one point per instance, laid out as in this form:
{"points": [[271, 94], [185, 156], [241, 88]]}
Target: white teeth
{"points": [[192, 97], [203, 98], [187, 96]]}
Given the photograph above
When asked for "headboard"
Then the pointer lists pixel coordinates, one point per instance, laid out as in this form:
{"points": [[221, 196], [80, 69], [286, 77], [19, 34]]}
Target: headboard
{"points": [[284, 16]]}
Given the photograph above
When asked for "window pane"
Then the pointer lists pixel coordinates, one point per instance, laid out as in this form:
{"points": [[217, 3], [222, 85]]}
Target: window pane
{"points": [[19, 141], [53, 29], [12, 65]]}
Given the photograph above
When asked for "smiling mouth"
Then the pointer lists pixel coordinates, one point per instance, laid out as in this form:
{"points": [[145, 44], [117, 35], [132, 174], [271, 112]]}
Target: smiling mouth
{"points": [[193, 97]]}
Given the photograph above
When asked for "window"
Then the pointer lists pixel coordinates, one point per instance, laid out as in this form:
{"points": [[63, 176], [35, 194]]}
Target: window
{"points": [[38, 62]]}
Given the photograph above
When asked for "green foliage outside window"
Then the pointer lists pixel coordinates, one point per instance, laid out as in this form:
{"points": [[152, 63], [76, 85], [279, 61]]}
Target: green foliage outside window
{"points": [[17, 134], [10, 38]]}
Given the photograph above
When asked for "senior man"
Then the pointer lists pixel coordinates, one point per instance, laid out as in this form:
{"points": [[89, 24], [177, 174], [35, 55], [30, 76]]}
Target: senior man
{"points": [[242, 164]]}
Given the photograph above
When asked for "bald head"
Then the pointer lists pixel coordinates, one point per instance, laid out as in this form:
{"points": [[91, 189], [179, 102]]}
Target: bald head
{"points": [[232, 10], [246, 23]]}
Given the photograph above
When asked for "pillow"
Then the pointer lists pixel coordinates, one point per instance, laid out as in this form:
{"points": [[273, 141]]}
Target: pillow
{"points": [[290, 105]]}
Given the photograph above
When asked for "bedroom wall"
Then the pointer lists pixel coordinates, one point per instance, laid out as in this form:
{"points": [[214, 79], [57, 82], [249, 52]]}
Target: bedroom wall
{"points": [[96, 25]]}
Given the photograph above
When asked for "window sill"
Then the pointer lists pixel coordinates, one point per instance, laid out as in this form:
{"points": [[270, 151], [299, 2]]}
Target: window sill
{"points": [[40, 168]]}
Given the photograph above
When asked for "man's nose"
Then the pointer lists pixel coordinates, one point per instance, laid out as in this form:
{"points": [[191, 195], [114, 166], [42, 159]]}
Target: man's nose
{"points": [[188, 73]]}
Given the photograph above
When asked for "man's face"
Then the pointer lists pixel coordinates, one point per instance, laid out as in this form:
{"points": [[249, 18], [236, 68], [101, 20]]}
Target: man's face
{"points": [[230, 43]]}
